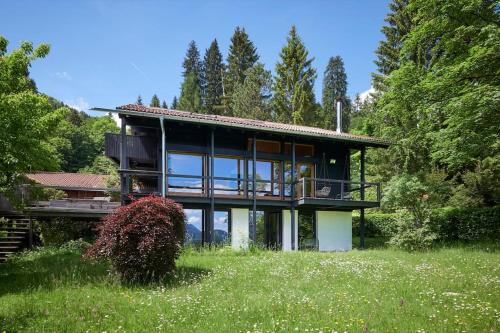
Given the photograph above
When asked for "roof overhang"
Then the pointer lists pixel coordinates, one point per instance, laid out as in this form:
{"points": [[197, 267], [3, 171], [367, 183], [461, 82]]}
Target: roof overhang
{"points": [[208, 122]]}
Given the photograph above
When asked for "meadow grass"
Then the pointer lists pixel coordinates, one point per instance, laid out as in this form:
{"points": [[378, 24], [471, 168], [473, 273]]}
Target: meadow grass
{"points": [[377, 290]]}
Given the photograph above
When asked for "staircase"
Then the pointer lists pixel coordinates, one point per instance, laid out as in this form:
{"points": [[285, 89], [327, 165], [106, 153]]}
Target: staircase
{"points": [[14, 234]]}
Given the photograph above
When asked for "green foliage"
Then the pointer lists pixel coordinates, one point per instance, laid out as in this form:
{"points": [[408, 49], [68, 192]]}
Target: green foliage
{"points": [[242, 56], [190, 99], [335, 89], [60, 230], [175, 103], [466, 224], [139, 100], [84, 142], [411, 237], [102, 165], [27, 118], [164, 105], [376, 225], [192, 62], [294, 100], [399, 23], [251, 98], [213, 69], [155, 101]]}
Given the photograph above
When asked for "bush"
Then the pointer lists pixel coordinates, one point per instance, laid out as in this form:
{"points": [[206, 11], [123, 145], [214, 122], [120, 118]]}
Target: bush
{"points": [[466, 224], [376, 225], [60, 230], [75, 246], [411, 236], [142, 239]]}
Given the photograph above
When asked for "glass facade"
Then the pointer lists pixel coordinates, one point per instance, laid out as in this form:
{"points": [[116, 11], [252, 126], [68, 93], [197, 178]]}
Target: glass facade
{"points": [[185, 173]]}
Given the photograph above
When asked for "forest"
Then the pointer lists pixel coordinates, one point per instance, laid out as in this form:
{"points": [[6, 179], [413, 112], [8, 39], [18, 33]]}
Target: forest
{"points": [[435, 96]]}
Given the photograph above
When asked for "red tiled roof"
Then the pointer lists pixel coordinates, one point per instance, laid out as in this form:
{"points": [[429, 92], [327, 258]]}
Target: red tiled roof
{"points": [[252, 124], [67, 180]]}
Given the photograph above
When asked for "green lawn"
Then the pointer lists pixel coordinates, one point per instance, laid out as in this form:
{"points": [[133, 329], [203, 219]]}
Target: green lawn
{"points": [[380, 290]]}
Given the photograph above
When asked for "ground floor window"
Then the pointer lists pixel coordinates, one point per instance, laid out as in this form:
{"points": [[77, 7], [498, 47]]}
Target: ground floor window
{"points": [[222, 227], [307, 230], [194, 226]]}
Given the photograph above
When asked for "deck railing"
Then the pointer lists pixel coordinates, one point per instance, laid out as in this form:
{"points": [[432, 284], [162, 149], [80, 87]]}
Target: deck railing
{"points": [[148, 182], [334, 189]]}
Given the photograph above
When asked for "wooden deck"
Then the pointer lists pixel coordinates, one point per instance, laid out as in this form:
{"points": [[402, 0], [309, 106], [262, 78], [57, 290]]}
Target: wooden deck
{"points": [[71, 208]]}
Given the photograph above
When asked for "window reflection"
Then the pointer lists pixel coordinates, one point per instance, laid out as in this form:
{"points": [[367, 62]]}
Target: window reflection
{"points": [[185, 173]]}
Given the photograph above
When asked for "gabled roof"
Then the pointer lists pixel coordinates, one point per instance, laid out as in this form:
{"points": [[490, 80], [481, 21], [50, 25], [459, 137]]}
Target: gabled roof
{"points": [[70, 181], [243, 123]]}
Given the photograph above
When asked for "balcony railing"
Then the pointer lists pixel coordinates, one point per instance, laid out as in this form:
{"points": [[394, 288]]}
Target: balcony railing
{"points": [[148, 182], [333, 189]]}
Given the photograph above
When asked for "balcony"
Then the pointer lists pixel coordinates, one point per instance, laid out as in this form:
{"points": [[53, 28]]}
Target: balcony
{"points": [[139, 148], [311, 192], [317, 191]]}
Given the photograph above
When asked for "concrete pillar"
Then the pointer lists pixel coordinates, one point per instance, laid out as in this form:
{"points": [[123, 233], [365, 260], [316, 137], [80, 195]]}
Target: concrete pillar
{"points": [[239, 228], [334, 230], [287, 230]]}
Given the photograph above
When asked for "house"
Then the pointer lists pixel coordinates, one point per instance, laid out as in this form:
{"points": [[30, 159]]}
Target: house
{"points": [[86, 196], [74, 185], [282, 186]]}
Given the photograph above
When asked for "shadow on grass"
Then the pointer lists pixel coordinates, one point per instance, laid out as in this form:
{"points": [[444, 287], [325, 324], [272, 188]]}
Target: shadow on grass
{"points": [[51, 269]]}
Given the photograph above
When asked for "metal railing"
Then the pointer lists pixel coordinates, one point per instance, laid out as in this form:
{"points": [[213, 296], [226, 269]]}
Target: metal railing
{"points": [[147, 182], [334, 189]]}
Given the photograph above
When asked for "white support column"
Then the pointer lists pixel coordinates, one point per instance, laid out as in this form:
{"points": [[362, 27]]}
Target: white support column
{"points": [[239, 228], [287, 230], [334, 230]]}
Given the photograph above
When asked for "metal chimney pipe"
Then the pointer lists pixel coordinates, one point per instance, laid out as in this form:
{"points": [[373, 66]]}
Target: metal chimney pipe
{"points": [[339, 117]]}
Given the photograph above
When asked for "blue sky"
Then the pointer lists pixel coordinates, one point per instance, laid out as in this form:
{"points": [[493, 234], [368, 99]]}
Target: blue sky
{"points": [[105, 53]]}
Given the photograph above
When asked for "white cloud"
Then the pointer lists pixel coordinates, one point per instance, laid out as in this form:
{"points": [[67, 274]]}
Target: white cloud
{"points": [[366, 94], [117, 119], [64, 76], [79, 104]]}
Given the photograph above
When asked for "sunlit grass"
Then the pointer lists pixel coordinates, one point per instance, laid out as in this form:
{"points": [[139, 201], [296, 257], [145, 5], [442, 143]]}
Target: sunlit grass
{"points": [[382, 290]]}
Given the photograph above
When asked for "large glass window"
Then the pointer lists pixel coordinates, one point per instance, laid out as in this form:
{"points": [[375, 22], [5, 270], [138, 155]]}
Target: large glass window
{"points": [[267, 177], [185, 173], [302, 169], [222, 230], [194, 226], [227, 167]]}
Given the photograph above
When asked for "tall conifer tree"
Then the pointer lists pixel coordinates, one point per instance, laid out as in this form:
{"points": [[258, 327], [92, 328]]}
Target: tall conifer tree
{"points": [[294, 99], [190, 95], [242, 56], [164, 105], [191, 88], [399, 24], [175, 103], [335, 89], [139, 100], [212, 76], [155, 101]]}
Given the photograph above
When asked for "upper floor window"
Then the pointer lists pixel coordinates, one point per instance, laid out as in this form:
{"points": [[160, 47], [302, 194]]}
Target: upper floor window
{"points": [[185, 172]]}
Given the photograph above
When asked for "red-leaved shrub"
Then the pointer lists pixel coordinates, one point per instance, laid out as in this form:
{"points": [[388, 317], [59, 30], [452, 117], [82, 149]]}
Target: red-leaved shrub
{"points": [[142, 239]]}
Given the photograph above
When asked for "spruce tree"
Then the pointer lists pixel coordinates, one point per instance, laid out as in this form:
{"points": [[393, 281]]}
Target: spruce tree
{"points": [[294, 99], [192, 62], [139, 100], [212, 76], [190, 95], [191, 88], [399, 24], [155, 101], [175, 103], [164, 105], [251, 98], [242, 56], [335, 89]]}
